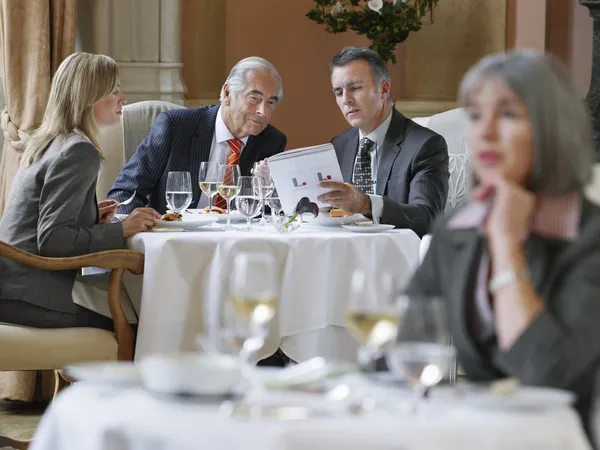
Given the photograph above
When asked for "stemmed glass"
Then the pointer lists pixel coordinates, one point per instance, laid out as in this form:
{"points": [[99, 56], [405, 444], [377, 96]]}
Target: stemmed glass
{"points": [[209, 179], [421, 354], [266, 191], [249, 199], [253, 296], [274, 203], [229, 187], [371, 315], [178, 191]]}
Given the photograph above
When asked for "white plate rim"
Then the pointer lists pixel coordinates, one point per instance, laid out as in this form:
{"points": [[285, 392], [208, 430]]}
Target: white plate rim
{"points": [[85, 372], [197, 222], [374, 228]]}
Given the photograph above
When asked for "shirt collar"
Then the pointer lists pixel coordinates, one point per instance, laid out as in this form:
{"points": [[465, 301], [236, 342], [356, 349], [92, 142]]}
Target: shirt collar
{"points": [[222, 133], [378, 134], [554, 216]]}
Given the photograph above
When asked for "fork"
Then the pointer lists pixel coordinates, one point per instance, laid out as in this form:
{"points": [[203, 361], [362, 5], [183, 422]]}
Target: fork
{"points": [[128, 201]]}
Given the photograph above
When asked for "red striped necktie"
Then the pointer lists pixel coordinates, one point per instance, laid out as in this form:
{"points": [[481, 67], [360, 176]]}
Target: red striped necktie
{"points": [[235, 147]]}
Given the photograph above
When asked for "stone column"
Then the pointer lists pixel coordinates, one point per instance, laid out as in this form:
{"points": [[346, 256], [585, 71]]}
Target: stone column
{"points": [[143, 37], [593, 96]]}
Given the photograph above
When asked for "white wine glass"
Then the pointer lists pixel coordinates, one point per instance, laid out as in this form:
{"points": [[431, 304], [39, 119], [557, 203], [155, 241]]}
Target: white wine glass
{"points": [[371, 316], [421, 355], [249, 199], [178, 191], [266, 190], [209, 179], [229, 187], [254, 297]]}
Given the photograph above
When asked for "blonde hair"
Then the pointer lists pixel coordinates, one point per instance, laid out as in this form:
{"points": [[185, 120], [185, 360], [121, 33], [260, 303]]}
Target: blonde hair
{"points": [[81, 81]]}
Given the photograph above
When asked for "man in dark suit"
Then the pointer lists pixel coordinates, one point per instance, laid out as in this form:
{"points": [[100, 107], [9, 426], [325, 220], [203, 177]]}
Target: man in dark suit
{"points": [[398, 169], [237, 130]]}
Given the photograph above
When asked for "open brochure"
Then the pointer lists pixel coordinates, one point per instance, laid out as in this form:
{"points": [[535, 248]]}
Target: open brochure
{"points": [[298, 173]]}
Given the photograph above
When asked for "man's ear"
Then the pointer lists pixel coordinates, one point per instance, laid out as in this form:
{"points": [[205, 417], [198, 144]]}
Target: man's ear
{"points": [[227, 95], [386, 89]]}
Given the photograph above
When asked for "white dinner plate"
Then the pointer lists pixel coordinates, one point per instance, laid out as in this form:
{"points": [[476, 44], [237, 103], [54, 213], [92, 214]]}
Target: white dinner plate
{"points": [[372, 228], [324, 220], [189, 222], [112, 372], [195, 374], [236, 217], [524, 398]]}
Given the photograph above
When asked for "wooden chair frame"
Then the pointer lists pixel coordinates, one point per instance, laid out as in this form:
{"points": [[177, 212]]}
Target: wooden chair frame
{"points": [[116, 260]]}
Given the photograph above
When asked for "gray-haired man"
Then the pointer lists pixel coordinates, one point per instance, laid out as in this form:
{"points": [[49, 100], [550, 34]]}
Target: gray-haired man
{"points": [[235, 130]]}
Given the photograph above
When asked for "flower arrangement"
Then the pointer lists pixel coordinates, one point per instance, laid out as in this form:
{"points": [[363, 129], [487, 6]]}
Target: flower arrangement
{"points": [[385, 22]]}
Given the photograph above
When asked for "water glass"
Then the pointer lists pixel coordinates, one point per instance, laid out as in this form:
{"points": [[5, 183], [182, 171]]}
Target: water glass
{"points": [[421, 355], [209, 179], [249, 199], [179, 191]]}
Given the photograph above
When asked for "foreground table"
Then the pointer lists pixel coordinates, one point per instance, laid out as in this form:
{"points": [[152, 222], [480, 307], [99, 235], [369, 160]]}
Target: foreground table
{"points": [[186, 278], [100, 417]]}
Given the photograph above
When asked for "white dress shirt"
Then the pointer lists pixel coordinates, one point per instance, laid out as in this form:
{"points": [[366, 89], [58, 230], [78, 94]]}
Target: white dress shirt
{"points": [[219, 149], [377, 136]]}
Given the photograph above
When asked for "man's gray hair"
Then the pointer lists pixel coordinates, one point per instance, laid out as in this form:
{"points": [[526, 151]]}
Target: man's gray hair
{"points": [[561, 124], [237, 78], [351, 54]]}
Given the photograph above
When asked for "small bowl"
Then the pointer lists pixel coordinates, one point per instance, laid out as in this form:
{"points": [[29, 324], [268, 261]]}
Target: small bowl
{"points": [[191, 373], [283, 223]]}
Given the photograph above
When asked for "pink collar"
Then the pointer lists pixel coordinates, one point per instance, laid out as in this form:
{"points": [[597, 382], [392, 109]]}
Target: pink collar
{"points": [[554, 217]]}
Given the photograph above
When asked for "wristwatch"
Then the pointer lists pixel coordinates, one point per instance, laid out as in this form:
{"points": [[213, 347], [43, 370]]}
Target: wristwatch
{"points": [[506, 278]]}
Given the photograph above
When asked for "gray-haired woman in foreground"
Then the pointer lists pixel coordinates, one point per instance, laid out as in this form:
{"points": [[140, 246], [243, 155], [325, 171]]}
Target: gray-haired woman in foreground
{"points": [[519, 265]]}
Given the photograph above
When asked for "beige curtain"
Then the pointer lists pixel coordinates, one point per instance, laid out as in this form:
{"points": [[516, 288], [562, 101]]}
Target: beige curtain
{"points": [[35, 36]]}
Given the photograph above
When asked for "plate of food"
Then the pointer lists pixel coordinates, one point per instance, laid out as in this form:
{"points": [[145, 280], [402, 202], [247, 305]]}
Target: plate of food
{"points": [[333, 218], [220, 214], [185, 221]]}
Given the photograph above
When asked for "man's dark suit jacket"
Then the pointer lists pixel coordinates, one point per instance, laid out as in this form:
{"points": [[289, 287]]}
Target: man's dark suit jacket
{"points": [[561, 347], [412, 175], [180, 140]]}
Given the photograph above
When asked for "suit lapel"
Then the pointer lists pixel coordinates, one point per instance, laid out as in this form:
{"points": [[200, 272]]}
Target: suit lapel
{"points": [[466, 254], [200, 147], [348, 156], [389, 152], [250, 154]]}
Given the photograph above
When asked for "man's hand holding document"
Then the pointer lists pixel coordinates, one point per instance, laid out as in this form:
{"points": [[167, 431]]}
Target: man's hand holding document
{"points": [[298, 173]]}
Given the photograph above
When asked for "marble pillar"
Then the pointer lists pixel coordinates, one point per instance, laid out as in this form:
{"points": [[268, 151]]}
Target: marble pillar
{"points": [[143, 37], [593, 96]]}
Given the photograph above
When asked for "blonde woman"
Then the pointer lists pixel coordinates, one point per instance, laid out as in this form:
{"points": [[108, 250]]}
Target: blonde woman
{"points": [[52, 208]]}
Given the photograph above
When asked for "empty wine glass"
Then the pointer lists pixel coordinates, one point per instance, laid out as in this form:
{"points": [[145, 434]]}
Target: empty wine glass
{"points": [[371, 315], [421, 355], [267, 187], [178, 191], [209, 179], [253, 296], [249, 199], [229, 187], [274, 202]]}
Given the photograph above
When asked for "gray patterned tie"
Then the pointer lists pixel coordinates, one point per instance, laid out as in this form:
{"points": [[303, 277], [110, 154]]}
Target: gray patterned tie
{"points": [[363, 177]]}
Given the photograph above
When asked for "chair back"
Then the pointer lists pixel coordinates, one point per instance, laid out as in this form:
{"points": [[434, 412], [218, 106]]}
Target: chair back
{"points": [[453, 127], [120, 141]]}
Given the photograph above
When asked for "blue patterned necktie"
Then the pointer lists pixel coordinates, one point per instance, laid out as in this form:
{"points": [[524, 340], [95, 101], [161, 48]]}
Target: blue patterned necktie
{"points": [[363, 176]]}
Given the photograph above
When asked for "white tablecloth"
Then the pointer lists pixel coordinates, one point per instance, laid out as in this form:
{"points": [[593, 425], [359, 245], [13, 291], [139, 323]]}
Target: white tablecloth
{"points": [[97, 418], [186, 277]]}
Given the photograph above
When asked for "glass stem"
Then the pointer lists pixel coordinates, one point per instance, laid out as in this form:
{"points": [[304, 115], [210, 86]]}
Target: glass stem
{"points": [[264, 218], [210, 202], [228, 213]]}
